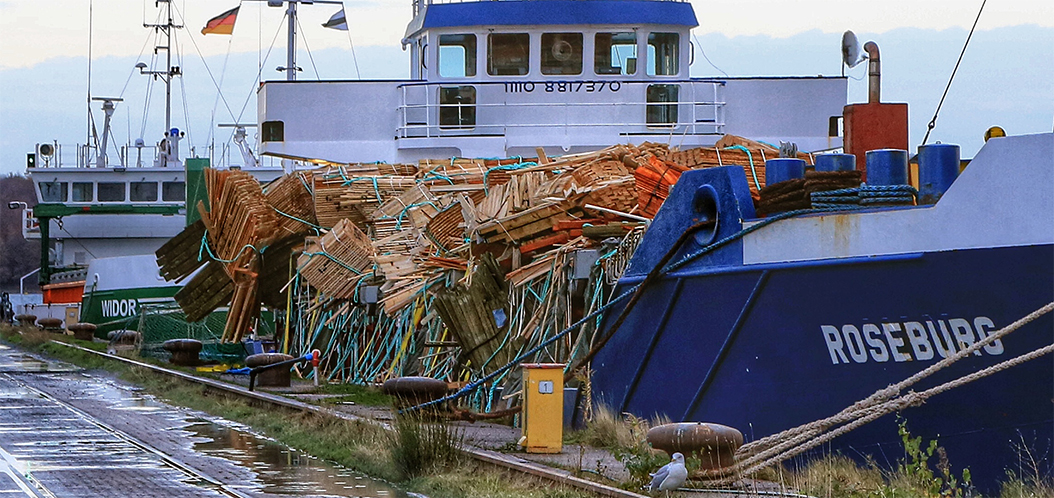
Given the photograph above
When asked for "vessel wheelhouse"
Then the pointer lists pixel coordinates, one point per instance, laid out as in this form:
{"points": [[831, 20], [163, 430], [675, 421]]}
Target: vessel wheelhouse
{"points": [[502, 78]]}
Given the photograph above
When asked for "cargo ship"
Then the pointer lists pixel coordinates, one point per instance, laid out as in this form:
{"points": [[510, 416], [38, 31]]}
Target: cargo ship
{"points": [[794, 321]]}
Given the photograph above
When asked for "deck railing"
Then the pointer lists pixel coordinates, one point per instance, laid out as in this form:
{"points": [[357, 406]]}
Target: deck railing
{"points": [[699, 110]]}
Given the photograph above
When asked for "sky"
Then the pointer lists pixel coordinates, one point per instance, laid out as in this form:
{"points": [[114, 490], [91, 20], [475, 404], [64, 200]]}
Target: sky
{"points": [[1006, 76]]}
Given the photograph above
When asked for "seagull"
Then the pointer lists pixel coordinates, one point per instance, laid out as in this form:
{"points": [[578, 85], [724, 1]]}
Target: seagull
{"points": [[670, 476]]}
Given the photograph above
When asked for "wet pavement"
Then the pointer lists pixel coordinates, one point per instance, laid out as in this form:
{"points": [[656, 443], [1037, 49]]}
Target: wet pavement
{"points": [[69, 433]]}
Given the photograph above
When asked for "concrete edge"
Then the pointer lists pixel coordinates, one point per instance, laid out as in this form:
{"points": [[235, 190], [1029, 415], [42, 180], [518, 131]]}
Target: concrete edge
{"points": [[558, 476]]}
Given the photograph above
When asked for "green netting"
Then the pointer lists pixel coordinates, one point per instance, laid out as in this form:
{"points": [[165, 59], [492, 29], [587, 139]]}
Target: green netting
{"points": [[158, 323]]}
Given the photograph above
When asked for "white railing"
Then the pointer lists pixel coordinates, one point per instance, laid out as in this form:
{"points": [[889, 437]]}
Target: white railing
{"points": [[86, 156], [700, 110]]}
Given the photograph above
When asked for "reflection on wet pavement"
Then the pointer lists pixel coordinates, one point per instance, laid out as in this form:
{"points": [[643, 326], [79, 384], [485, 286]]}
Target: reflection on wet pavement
{"points": [[15, 361], [78, 434]]}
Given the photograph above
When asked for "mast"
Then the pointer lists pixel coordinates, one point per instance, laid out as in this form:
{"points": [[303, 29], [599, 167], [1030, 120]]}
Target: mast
{"points": [[170, 144], [290, 55]]}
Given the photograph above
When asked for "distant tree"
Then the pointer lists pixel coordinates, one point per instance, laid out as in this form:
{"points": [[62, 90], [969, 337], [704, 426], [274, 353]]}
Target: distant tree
{"points": [[17, 255]]}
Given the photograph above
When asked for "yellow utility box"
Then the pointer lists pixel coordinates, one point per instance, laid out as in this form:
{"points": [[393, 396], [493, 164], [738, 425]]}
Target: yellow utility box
{"points": [[543, 407]]}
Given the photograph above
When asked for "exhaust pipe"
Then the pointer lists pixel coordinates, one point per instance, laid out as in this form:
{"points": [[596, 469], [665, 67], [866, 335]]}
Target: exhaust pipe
{"points": [[874, 73]]}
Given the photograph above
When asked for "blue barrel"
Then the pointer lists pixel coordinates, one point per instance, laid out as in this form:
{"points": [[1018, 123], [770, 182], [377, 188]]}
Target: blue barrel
{"points": [[938, 168], [835, 162], [783, 169], [887, 167]]}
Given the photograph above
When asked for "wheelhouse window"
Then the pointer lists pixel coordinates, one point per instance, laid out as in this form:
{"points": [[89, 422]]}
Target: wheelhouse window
{"points": [[508, 54], [562, 53], [457, 56], [53, 191], [143, 191], [173, 191], [615, 53], [662, 54], [82, 192], [111, 191]]}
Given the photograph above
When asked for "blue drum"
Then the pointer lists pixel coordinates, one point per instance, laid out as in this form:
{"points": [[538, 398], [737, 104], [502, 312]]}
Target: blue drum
{"points": [[938, 168], [887, 167], [835, 162], [783, 169]]}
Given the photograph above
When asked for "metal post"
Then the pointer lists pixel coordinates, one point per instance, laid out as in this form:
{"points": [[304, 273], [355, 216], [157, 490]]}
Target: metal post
{"points": [[168, 70], [45, 266], [22, 281], [290, 56]]}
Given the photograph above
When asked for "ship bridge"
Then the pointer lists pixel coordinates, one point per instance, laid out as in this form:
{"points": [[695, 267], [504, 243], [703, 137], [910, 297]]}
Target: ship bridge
{"points": [[503, 77]]}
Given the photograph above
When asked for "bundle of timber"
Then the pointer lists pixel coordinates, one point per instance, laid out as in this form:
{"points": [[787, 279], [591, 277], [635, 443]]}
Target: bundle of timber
{"points": [[335, 262], [241, 221], [291, 199], [179, 257]]}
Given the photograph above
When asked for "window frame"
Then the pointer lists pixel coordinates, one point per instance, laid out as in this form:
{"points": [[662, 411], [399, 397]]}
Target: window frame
{"points": [[549, 49], [491, 60], [474, 66]]}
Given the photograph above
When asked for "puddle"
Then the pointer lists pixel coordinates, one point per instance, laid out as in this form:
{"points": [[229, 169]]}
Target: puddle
{"points": [[278, 470], [281, 470], [15, 361]]}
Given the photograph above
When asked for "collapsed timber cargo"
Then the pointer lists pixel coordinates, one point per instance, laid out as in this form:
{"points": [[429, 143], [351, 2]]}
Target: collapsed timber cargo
{"points": [[446, 268]]}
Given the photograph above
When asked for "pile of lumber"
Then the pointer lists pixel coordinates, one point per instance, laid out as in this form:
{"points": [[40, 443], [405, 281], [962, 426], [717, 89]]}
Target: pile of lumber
{"points": [[406, 227]]}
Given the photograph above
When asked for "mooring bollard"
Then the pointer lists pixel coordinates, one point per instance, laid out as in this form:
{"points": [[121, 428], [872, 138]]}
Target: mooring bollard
{"points": [[184, 351], [82, 331]]}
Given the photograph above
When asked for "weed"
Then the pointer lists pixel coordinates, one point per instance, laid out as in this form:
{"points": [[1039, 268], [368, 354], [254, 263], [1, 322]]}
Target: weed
{"points": [[915, 467], [423, 447]]}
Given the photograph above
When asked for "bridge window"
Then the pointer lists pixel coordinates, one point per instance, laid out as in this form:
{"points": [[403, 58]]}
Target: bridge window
{"points": [[457, 56], [615, 53], [82, 191], [508, 54], [272, 131], [662, 54], [562, 53], [143, 191], [173, 191], [53, 191], [457, 106], [662, 105], [111, 191]]}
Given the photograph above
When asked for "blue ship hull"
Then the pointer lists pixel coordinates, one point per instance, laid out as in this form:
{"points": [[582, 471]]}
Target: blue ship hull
{"points": [[768, 346]]}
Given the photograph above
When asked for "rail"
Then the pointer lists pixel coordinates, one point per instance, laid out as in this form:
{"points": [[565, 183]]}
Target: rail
{"points": [[676, 107]]}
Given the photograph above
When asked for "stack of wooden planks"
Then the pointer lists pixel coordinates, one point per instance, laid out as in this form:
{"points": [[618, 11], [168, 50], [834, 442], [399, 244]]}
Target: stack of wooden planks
{"points": [[179, 257], [291, 199], [240, 221], [335, 262], [654, 179]]}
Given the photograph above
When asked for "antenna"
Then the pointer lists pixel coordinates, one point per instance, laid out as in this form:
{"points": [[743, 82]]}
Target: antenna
{"points": [[851, 54]]}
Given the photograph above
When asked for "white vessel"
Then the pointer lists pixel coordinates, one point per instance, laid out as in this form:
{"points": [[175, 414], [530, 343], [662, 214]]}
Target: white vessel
{"points": [[502, 78], [489, 78]]}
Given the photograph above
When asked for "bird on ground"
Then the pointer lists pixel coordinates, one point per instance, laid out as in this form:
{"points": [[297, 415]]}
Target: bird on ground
{"points": [[670, 476]]}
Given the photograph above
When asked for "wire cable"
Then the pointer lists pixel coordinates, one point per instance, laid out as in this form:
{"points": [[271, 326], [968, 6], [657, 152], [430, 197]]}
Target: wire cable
{"points": [[933, 122], [701, 51], [310, 57]]}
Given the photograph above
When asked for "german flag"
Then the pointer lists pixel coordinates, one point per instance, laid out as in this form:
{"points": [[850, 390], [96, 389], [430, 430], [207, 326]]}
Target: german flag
{"points": [[222, 24]]}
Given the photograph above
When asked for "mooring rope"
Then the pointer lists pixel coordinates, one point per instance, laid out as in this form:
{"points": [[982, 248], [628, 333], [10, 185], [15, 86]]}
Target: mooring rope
{"points": [[772, 449]]}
